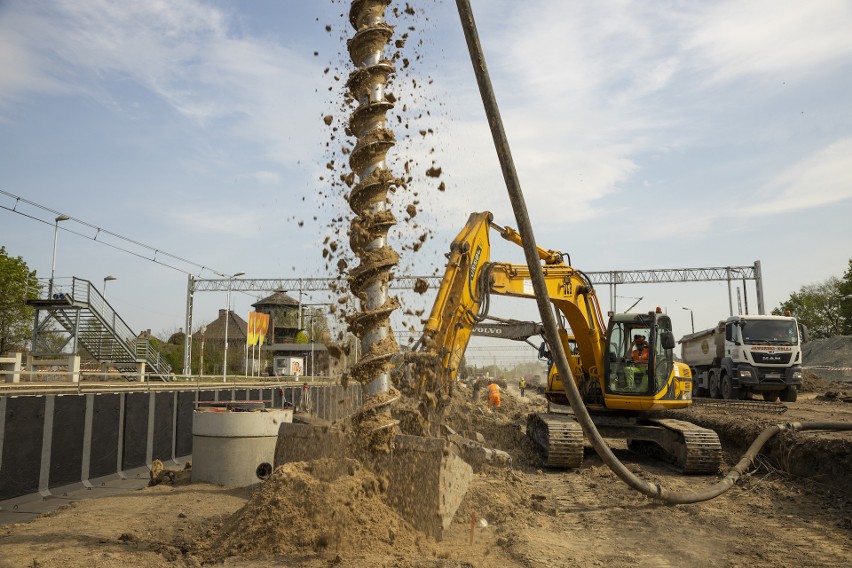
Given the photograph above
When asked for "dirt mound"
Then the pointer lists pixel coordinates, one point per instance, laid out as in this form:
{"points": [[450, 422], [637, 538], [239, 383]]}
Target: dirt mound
{"points": [[332, 506], [498, 500], [823, 458], [829, 357], [468, 412], [812, 382]]}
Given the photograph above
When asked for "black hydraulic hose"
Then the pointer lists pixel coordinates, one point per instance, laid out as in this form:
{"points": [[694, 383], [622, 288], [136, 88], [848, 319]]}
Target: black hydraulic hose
{"points": [[746, 462], [545, 309]]}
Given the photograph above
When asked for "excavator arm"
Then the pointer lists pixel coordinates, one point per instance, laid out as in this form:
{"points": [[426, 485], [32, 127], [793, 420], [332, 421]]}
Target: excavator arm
{"points": [[458, 304], [463, 300]]}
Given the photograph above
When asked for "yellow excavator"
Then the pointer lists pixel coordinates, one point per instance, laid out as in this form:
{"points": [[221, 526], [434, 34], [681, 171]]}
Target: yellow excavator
{"points": [[618, 386]]}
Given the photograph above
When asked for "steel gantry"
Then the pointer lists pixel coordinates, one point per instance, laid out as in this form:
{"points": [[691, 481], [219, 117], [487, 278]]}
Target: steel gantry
{"points": [[612, 278], [713, 274], [299, 285]]}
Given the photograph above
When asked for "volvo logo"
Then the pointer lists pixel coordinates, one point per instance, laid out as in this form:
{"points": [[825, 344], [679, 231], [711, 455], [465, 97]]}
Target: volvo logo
{"points": [[488, 330]]}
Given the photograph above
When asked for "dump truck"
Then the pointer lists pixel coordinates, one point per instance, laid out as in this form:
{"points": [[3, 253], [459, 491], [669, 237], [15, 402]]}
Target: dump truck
{"points": [[746, 354]]}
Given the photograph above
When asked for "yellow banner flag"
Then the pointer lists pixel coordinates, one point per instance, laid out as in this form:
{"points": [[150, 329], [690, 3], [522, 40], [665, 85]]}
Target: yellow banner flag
{"points": [[251, 332], [263, 327]]}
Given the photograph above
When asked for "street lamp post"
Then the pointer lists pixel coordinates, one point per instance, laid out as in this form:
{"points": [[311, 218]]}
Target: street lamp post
{"points": [[107, 279], [691, 319], [203, 330], [56, 222], [227, 317]]}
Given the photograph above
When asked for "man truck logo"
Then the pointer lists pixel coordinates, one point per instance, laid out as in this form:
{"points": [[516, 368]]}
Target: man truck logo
{"points": [[474, 263], [705, 347]]}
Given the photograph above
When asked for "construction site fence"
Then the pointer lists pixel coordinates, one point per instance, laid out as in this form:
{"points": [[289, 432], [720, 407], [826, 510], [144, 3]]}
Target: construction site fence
{"points": [[52, 442], [63, 377]]}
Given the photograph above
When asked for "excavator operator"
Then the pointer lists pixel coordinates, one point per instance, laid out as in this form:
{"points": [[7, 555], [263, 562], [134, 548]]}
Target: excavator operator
{"points": [[637, 372], [640, 349]]}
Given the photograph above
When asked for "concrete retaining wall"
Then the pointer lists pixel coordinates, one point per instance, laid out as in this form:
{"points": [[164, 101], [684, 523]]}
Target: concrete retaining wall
{"points": [[60, 441]]}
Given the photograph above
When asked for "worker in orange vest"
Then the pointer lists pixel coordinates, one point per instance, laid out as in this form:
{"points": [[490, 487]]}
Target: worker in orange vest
{"points": [[640, 351], [494, 395], [638, 371]]}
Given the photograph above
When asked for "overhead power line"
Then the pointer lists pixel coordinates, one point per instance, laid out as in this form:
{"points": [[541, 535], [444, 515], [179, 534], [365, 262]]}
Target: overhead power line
{"points": [[99, 230]]}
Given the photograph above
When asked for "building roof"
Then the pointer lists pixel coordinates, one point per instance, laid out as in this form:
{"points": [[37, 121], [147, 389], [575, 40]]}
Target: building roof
{"points": [[277, 299], [237, 327]]}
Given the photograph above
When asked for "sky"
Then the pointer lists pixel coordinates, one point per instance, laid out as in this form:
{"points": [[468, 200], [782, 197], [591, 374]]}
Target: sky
{"points": [[646, 135]]}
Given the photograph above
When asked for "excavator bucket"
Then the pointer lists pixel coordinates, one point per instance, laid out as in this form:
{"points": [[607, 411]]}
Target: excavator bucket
{"points": [[426, 479]]}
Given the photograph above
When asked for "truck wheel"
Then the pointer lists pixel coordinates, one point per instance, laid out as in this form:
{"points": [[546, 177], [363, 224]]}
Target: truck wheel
{"points": [[790, 394], [771, 396], [728, 390], [714, 384]]}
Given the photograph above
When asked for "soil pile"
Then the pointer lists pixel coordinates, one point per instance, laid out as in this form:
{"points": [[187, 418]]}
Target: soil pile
{"points": [[830, 357], [468, 413], [822, 457], [332, 506], [812, 382]]}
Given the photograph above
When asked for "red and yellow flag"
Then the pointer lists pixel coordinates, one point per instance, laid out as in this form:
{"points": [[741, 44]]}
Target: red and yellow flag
{"points": [[251, 332], [262, 327]]}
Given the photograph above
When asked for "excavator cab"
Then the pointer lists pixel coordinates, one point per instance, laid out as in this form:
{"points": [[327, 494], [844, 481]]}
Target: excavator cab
{"points": [[640, 357], [629, 356]]}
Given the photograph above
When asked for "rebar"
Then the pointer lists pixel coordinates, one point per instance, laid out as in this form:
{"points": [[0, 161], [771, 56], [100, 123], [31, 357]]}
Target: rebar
{"points": [[369, 197]]}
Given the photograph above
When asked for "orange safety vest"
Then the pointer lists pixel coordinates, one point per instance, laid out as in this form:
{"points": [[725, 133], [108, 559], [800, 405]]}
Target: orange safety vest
{"points": [[494, 397], [640, 355]]}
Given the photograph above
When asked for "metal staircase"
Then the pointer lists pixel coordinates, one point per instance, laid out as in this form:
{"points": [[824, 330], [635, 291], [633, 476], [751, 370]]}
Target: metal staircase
{"points": [[85, 320]]}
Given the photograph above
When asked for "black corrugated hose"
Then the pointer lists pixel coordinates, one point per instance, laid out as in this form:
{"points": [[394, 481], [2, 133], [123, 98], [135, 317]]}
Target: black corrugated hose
{"points": [[548, 319]]}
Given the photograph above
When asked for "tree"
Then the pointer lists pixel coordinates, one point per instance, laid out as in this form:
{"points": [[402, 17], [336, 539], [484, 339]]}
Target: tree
{"points": [[172, 349], [845, 290], [817, 307], [17, 285]]}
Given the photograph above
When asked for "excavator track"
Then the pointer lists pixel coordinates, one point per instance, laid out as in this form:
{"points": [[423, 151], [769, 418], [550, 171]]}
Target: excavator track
{"points": [[690, 448], [559, 436]]}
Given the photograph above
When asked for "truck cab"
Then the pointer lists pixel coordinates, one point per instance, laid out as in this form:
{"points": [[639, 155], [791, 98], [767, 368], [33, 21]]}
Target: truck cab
{"points": [[765, 355], [747, 354]]}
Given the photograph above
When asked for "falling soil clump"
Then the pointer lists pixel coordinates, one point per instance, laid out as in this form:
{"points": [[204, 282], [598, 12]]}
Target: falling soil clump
{"points": [[421, 286]]}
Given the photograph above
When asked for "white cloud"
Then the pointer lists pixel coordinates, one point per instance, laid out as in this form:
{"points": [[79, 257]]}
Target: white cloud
{"points": [[184, 52], [589, 90], [819, 179], [822, 178], [243, 223], [262, 177], [22, 69], [770, 37]]}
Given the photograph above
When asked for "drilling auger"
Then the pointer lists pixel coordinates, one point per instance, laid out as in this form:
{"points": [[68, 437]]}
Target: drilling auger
{"points": [[368, 199], [426, 480], [369, 228]]}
